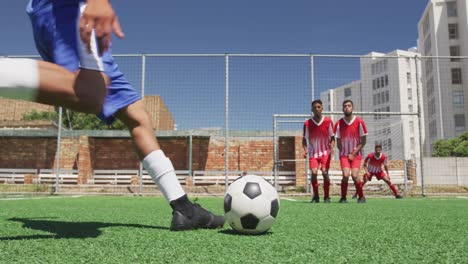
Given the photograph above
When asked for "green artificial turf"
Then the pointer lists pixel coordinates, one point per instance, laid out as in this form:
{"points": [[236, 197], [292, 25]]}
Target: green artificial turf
{"points": [[135, 230]]}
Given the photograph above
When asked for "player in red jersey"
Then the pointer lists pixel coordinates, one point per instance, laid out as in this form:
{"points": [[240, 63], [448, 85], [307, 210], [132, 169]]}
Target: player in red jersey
{"points": [[373, 167], [318, 143], [350, 133]]}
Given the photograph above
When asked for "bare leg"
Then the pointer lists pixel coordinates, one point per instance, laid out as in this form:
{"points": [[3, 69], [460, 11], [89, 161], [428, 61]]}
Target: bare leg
{"points": [[138, 121], [83, 91], [185, 216], [344, 183], [314, 184]]}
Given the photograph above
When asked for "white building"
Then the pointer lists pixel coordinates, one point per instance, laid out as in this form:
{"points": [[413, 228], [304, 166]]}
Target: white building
{"points": [[443, 31], [388, 84]]}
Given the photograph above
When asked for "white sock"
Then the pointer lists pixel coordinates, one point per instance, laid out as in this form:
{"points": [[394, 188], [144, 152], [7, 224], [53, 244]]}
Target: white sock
{"points": [[19, 79], [161, 170]]}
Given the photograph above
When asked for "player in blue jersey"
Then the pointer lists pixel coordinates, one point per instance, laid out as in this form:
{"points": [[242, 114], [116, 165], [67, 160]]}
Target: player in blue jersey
{"points": [[78, 72]]}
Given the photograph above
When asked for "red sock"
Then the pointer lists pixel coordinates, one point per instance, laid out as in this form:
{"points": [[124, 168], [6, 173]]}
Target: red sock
{"points": [[326, 188], [359, 188], [344, 188], [315, 187], [394, 189]]}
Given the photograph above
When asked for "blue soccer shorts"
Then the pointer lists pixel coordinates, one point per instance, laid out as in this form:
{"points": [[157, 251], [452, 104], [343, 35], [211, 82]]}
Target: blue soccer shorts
{"points": [[56, 34]]}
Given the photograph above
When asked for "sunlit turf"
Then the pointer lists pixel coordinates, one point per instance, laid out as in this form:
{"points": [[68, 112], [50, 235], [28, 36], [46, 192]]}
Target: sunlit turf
{"points": [[135, 230]]}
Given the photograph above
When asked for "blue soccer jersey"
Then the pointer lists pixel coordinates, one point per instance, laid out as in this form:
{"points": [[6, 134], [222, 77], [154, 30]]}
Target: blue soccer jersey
{"points": [[55, 26]]}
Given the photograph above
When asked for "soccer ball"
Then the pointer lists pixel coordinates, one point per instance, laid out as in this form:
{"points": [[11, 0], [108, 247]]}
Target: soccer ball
{"points": [[251, 205]]}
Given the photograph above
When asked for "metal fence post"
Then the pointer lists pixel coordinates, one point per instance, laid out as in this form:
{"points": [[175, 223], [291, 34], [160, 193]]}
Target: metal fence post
{"points": [[143, 77], [226, 131], [59, 142], [275, 152], [420, 122]]}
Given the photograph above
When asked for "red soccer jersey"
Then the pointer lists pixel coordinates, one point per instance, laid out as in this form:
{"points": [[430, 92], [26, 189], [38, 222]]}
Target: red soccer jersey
{"points": [[374, 164], [318, 136], [350, 134]]}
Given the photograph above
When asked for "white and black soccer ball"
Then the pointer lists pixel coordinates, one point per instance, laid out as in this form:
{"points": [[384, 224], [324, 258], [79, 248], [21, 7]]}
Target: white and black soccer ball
{"points": [[251, 205]]}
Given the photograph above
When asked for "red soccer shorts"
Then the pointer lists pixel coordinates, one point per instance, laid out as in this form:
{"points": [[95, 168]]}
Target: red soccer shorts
{"points": [[378, 175], [320, 162], [353, 164]]}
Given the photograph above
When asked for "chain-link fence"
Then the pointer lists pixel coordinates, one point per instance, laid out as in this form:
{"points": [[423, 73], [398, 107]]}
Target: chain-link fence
{"points": [[218, 116]]}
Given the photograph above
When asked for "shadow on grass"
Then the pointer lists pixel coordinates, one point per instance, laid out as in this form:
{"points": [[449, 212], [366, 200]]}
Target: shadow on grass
{"points": [[66, 230], [236, 233]]}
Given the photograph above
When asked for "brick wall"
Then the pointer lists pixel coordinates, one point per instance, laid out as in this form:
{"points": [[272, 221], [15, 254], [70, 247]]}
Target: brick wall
{"points": [[86, 154], [15, 109], [118, 153], [12, 111]]}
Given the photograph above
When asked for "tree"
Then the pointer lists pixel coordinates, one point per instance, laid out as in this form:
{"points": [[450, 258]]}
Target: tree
{"points": [[453, 147], [75, 120]]}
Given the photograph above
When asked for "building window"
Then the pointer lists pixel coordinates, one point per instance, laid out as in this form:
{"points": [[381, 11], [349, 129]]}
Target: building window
{"points": [[428, 65], [453, 31], [412, 143], [410, 108], [431, 107], [426, 25], [427, 45], [411, 127], [382, 81], [408, 63], [454, 52], [430, 87], [452, 9], [408, 78], [456, 76], [347, 92], [458, 99], [459, 123], [386, 80], [433, 129], [389, 144], [374, 99], [387, 96], [410, 94]]}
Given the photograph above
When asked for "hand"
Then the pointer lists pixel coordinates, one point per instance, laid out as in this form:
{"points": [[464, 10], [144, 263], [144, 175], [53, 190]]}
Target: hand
{"points": [[100, 17], [305, 154], [351, 156]]}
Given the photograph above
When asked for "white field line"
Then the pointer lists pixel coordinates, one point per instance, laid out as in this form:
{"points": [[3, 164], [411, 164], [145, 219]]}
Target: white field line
{"points": [[36, 198], [289, 199]]}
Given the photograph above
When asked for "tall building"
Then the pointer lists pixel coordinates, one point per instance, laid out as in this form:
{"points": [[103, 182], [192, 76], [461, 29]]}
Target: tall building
{"points": [[443, 31], [388, 84]]}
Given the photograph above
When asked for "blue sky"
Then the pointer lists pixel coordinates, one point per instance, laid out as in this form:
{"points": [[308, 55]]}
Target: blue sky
{"points": [[193, 88], [241, 26]]}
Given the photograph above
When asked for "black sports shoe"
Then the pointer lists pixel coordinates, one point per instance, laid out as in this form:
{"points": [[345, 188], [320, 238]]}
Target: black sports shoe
{"points": [[361, 200], [343, 200], [315, 199], [354, 196], [198, 218], [327, 200], [399, 196]]}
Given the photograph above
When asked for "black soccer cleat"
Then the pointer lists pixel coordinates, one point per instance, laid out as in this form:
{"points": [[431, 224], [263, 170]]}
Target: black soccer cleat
{"points": [[199, 218], [315, 199], [327, 200], [361, 200], [343, 200], [398, 196], [354, 196]]}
